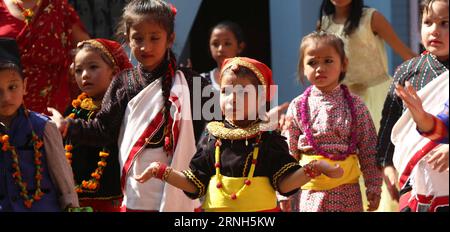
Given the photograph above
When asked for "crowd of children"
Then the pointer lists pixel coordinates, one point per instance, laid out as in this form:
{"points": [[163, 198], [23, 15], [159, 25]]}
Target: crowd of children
{"points": [[133, 141]]}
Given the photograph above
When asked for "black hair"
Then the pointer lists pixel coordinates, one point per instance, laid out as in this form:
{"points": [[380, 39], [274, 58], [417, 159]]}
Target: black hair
{"points": [[425, 6], [136, 10], [327, 38], [356, 10], [233, 27], [6, 65]]}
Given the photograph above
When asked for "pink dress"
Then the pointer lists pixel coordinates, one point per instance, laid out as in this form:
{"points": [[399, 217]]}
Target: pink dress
{"points": [[331, 128]]}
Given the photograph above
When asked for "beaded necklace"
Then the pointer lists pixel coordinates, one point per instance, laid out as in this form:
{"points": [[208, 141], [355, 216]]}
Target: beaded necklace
{"points": [[17, 174], [27, 13], [303, 112], [82, 104], [249, 178], [219, 130]]}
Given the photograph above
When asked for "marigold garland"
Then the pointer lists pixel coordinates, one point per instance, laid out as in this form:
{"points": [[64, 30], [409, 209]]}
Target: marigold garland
{"points": [[17, 174], [83, 102]]}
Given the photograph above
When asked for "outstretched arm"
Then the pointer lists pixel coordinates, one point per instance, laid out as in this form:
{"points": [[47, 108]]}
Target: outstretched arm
{"points": [[303, 175], [173, 177]]}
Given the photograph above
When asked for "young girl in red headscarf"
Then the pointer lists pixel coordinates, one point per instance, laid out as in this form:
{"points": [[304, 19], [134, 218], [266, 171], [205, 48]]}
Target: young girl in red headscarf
{"points": [[240, 164], [96, 168]]}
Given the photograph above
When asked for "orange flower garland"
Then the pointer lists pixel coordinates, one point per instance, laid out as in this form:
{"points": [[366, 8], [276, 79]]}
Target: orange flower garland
{"points": [[93, 183], [86, 103], [17, 174]]}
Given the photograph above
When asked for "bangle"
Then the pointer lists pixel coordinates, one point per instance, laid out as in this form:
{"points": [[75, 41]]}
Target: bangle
{"points": [[166, 173], [311, 170], [160, 171]]}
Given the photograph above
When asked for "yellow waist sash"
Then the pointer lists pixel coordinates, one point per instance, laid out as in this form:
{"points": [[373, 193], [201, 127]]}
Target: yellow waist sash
{"points": [[322, 182], [257, 196]]}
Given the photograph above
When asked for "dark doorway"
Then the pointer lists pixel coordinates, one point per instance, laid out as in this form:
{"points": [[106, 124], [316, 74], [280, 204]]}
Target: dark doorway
{"points": [[251, 15]]}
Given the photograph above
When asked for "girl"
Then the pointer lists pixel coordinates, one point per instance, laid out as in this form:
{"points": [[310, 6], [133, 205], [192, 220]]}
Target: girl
{"points": [[421, 147], [96, 168], [364, 31], [146, 110], [239, 164], [226, 41], [419, 72], [47, 31], [34, 174], [331, 124]]}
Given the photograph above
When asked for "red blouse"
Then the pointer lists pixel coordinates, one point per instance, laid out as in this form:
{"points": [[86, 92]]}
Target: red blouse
{"points": [[45, 47]]}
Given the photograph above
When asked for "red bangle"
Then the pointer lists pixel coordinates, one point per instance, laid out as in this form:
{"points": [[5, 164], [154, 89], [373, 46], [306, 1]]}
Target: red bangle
{"points": [[161, 169], [311, 171]]}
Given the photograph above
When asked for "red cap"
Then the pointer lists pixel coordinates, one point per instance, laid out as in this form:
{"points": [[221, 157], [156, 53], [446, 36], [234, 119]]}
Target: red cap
{"points": [[112, 49], [262, 72]]}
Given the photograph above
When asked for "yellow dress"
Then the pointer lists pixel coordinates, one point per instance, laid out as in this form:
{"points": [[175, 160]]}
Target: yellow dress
{"points": [[367, 76]]}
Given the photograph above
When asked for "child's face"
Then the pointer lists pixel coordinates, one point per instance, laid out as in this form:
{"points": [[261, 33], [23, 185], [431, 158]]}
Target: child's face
{"points": [[149, 42], [322, 66], [435, 29], [92, 73], [341, 3], [238, 98], [12, 90], [223, 44]]}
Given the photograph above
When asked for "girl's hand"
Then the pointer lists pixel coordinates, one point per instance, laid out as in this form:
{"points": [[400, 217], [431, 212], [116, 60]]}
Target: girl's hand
{"points": [[148, 173], [411, 100], [331, 171], [438, 159], [374, 201], [57, 118]]}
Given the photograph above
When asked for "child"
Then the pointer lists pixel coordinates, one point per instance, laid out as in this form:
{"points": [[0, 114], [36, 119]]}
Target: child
{"points": [[364, 31], [419, 72], [226, 41], [96, 168], [331, 124], [239, 165], [423, 164], [136, 110], [34, 174]]}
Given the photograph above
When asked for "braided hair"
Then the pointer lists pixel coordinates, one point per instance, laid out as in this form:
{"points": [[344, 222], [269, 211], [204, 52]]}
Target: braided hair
{"points": [[162, 13]]}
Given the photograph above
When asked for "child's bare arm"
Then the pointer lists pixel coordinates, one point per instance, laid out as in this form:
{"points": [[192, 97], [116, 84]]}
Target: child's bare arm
{"points": [[384, 29], [173, 177], [303, 175]]}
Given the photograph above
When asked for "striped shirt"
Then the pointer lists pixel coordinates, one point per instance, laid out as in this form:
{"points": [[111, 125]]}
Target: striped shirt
{"points": [[419, 71]]}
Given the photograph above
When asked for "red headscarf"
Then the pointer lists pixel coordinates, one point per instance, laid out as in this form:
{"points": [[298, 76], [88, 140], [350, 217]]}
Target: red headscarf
{"points": [[112, 49], [262, 72]]}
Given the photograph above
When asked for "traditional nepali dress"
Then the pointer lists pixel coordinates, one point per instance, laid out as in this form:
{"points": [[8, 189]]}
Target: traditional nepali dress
{"points": [[107, 194], [423, 189], [45, 46], [330, 122], [229, 181], [131, 115], [57, 179], [419, 72]]}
